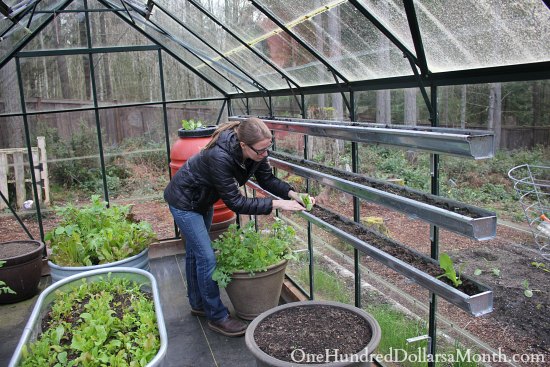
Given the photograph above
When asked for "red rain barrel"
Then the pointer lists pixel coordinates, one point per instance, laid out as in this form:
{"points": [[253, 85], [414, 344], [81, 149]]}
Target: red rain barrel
{"points": [[188, 144]]}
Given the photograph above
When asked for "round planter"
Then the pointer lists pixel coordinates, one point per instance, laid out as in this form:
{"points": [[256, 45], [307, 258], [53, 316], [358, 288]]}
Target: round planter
{"points": [[139, 261], [253, 294], [216, 229], [360, 358], [21, 272]]}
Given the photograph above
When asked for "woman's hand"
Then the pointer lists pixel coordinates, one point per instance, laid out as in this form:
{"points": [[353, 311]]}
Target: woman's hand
{"points": [[298, 197], [287, 205]]}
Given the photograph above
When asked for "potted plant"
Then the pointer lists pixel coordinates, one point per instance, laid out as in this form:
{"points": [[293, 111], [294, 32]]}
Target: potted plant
{"points": [[313, 332], [20, 269], [97, 236], [251, 265], [100, 317]]}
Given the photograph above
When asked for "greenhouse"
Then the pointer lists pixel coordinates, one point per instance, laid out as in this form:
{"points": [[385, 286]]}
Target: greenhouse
{"points": [[412, 138]]}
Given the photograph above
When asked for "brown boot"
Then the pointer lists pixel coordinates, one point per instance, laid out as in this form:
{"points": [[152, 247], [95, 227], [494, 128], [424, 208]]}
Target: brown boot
{"points": [[228, 327]]}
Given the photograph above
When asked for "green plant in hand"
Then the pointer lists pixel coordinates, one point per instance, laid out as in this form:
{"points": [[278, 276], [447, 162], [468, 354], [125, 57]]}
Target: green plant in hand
{"points": [[446, 264], [306, 200], [191, 124], [96, 234], [245, 249]]}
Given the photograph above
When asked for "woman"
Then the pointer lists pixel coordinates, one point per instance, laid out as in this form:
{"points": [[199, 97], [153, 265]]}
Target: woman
{"points": [[237, 151]]}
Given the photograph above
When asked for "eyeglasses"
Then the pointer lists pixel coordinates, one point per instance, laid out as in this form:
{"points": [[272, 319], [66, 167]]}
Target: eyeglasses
{"points": [[261, 151]]}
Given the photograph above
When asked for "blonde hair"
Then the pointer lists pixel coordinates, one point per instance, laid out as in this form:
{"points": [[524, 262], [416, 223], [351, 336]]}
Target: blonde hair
{"points": [[249, 131]]}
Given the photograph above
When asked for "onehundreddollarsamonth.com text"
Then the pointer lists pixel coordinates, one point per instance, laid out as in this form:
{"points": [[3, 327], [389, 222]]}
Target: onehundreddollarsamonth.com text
{"points": [[396, 355]]}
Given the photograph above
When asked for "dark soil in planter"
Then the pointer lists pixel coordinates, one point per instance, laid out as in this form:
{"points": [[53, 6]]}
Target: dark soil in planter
{"points": [[391, 247], [313, 330], [15, 249], [451, 206]]}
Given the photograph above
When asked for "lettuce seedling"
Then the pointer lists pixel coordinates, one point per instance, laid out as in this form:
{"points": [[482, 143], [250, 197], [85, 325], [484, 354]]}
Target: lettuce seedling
{"points": [[191, 124], [306, 200], [447, 265]]}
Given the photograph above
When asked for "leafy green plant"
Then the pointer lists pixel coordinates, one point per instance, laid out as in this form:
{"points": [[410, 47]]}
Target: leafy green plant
{"points": [[3, 287], [105, 322], [527, 291], [96, 234], [191, 124], [540, 265], [245, 249], [446, 264], [306, 200]]}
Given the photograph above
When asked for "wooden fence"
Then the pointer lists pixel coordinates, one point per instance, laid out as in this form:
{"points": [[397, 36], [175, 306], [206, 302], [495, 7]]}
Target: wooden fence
{"points": [[15, 174]]}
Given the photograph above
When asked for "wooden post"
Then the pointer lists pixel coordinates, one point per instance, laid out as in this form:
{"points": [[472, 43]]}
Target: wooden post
{"points": [[4, 178], [19, 169], [35, 159], [44, 162]]}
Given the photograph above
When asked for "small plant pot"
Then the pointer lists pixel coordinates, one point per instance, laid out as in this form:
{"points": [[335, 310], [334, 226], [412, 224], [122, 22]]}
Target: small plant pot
{"points": [[139, 261], [253, 294], [310, 325], [22, 269]]}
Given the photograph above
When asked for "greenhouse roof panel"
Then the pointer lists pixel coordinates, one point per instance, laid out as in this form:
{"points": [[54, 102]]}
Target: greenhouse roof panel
{"points": [[258, 45], [226, 53], [473, 34], [24, 22], [286, 56]]}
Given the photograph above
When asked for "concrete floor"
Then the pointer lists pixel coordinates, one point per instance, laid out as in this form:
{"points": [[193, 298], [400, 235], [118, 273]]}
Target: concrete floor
{"points": [[190, 342]]}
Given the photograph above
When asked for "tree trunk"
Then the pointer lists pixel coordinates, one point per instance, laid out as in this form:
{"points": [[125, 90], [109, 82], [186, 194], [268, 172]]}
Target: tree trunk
{"points": [[463, 107], [61, 62], [85, 58], [107, 85], [383, 106], [495, 111], [410, 107]]}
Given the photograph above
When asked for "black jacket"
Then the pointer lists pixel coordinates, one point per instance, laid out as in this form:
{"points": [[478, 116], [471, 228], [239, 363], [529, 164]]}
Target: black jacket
{"points": [[217, 173]]}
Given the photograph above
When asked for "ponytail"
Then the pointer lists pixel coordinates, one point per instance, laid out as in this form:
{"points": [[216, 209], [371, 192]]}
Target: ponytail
{"points": [[219, 130]]}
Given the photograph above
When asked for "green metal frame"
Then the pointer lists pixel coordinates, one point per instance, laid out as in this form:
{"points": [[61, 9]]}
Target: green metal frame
{"points": [[421, 78]]}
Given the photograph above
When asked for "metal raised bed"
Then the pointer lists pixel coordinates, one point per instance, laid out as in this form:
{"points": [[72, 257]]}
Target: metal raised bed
{"points": [[481, 225], [33, 327], [477, 144], [478, 304]]}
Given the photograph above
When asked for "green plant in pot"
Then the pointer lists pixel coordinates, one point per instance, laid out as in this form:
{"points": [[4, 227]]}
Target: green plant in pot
{"points": [[96, 236], [251, 265], [103, 317]]}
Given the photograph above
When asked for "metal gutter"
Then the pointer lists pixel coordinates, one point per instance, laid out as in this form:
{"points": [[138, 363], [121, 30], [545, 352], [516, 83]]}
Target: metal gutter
{"points": [[477, 144], [481, 225]]}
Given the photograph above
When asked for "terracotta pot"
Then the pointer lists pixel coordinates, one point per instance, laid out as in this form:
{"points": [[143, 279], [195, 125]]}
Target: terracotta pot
{"points": [[21, 272], [360, 358], [253, 294]]}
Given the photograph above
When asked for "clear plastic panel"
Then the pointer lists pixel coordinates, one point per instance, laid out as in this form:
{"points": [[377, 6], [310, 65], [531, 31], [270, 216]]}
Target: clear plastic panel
{"points": [[48, 84], [483, 33], [10, 102], [127, 77]]}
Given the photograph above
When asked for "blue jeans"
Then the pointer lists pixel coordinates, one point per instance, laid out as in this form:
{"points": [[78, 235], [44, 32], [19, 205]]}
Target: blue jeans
{"points": [[200, 263]]}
